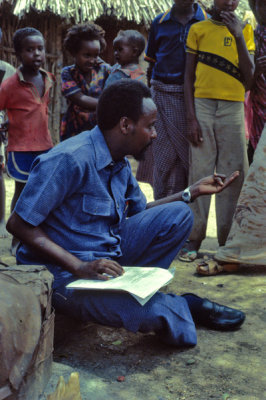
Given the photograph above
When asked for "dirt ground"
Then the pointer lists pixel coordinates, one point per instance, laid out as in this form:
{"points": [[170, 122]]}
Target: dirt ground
{"points": [[223, 365]]}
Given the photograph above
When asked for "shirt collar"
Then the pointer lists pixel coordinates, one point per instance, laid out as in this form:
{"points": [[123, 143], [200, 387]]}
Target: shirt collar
{"points": [[102, 153], [199, 12], [21, 78], [168, 14], [48, 81]]}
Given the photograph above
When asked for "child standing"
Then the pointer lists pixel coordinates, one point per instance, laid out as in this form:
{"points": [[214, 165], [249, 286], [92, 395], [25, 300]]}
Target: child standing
{"points": [[219, 67], [83, 82], [246, 242], [128, 46], [25, 97], [6, 70]]}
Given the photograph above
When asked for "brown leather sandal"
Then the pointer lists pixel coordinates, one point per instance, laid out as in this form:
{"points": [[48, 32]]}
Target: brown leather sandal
{"points": [[211, 267]]}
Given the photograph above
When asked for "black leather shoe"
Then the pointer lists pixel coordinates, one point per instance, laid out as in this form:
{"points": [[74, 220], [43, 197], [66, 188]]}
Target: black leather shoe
{"points": [[216, 316]]}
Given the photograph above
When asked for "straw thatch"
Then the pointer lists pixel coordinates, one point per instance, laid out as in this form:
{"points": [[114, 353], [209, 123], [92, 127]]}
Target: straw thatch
{"points": [[139, 11]]}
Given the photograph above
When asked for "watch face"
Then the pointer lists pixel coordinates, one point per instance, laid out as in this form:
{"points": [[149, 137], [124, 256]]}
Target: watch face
{"points": [[186, 196]]}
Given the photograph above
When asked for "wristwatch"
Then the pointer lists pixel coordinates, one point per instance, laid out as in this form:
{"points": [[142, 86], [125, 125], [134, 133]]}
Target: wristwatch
{"points": [[186, 195]]}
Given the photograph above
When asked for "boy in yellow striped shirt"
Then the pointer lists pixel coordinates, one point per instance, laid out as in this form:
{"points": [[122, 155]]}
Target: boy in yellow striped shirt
{"points": [[219, 68]]}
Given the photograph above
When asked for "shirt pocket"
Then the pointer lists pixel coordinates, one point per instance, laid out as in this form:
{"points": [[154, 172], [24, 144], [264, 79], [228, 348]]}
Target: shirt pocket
{"points": [[92, 215]]}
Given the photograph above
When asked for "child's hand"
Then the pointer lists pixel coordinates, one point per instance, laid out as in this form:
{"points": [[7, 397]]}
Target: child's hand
{"points": [[261, 65], [233, 24]]}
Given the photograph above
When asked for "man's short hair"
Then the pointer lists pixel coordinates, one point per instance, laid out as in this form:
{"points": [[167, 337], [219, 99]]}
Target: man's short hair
{"points": [[21, 34], [123, 98]]}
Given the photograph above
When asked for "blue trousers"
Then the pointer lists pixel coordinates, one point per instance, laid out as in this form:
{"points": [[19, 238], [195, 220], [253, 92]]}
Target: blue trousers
{"points": [[150, 238]]}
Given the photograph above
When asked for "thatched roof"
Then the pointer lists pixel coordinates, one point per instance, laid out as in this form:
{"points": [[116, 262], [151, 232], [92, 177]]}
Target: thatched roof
{"points": [[139, 11]]}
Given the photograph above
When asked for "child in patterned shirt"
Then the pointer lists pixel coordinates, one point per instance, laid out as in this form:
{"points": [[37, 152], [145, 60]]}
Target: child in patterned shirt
{"points": [[83, 82]]}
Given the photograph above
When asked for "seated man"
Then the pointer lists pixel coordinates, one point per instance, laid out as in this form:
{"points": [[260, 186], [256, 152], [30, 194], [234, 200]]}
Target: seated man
{"points": [[82, 214]]}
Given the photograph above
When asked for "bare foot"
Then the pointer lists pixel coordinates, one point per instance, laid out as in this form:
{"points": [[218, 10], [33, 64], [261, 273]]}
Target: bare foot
{"points": [[3, 231]]}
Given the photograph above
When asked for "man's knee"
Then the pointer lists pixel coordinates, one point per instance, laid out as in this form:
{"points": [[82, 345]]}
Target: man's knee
{"points": [[185, 211], [178, 215], [170, 318]]}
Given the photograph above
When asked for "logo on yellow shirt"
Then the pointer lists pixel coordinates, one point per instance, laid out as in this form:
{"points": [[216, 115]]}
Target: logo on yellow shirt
{"points": [[227, 41]]}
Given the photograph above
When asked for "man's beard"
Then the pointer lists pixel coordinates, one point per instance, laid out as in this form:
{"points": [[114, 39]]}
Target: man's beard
{"points": [[141, 155]]}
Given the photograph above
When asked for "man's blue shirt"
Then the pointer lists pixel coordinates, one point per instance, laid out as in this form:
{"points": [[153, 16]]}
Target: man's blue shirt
{"points": [[167, 45], [79, 196]]}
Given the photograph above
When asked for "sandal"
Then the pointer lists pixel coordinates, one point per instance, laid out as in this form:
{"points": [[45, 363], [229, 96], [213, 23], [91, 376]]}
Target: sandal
{"points": [[187, 255], [211, 267]]}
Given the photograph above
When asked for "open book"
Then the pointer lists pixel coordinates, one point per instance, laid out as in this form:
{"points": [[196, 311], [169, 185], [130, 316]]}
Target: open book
{"points": [[141, 282]]}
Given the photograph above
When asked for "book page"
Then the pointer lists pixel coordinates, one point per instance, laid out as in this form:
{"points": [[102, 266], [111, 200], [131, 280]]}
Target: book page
{"points": [[141, 282]]}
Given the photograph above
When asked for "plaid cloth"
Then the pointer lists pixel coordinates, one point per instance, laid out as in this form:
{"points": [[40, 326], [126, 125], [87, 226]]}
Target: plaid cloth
{"points": [[170, 149], [145, 168]]}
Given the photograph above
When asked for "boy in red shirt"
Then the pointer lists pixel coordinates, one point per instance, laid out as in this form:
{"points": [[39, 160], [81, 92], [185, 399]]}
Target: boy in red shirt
{"points": [[6, 70], [27, 110]]}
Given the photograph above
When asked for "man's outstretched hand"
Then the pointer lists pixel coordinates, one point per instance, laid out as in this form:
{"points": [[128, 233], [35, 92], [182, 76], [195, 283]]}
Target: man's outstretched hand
{"points": [[212, 184]]}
